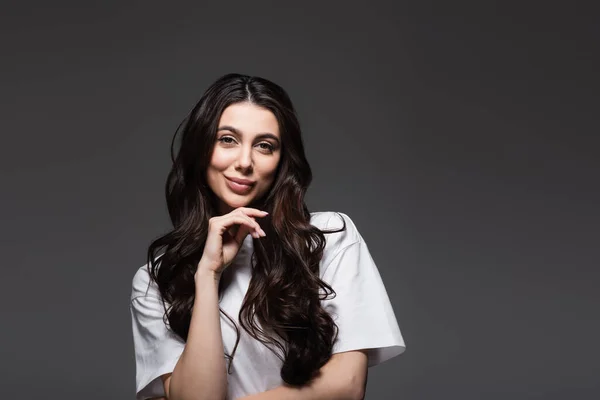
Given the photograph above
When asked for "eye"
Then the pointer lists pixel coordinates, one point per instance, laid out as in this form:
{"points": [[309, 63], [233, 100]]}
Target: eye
{"points": [[268, 146], [227, 140]]}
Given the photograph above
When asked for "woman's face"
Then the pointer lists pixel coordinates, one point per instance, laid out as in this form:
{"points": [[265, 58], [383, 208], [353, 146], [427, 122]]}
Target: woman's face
{"points": [[247, 147]]}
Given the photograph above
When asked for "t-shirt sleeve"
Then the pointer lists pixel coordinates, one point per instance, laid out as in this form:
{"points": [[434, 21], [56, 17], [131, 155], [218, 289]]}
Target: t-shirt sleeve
{"points": [[361, 307], [157, 349]]}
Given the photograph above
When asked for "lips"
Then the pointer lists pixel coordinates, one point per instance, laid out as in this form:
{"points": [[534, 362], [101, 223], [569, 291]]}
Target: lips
{"points": [[241, 181], [237, 187]]}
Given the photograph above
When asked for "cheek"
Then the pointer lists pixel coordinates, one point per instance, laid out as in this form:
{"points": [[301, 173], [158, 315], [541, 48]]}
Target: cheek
{"points": [[220, 160], [269, 169]]}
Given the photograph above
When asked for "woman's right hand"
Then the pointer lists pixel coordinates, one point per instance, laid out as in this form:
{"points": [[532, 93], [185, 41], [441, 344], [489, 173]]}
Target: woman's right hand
{"points": [[226, 234]]}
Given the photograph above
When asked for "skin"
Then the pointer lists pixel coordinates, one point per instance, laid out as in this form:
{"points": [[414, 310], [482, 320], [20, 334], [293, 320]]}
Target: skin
{"points": [[240, 152]]}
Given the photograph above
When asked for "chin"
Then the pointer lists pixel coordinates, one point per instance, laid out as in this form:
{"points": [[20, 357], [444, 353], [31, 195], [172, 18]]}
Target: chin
{"points": [[234, 203], [239, 203]]}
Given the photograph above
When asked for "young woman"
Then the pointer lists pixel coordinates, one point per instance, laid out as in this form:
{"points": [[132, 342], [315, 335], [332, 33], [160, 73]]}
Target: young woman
{"points": [[254, 296]]}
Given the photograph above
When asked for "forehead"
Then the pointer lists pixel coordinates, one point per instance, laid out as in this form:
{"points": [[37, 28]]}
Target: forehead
{"points": [[249, 118]]}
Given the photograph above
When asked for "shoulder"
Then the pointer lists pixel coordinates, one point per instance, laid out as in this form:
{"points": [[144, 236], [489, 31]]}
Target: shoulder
{"points": [[142, 285], [335, 220], [337, 241]]}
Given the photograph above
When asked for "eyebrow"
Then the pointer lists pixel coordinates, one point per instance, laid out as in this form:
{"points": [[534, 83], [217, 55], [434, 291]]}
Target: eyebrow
{"points": [[264, 135]]}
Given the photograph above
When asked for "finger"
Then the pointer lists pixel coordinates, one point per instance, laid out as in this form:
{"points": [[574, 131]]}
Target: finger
{"points": [[252, 218], [242, 233], [239, 232], [230, 220], [254, 212], [244, 229]]}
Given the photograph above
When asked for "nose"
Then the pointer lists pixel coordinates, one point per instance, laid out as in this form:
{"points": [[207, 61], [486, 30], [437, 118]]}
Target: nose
{"points": [[244, 160]]}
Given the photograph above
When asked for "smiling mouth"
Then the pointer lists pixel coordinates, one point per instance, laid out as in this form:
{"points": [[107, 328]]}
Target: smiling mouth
{"points": [[238, 187]]}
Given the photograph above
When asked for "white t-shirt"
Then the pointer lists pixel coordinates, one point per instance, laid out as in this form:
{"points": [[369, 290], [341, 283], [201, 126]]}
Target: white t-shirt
{"points": [[361, 309]]}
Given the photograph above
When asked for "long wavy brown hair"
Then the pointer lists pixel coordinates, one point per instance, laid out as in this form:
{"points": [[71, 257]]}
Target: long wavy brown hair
{"points": [[285, 291]]}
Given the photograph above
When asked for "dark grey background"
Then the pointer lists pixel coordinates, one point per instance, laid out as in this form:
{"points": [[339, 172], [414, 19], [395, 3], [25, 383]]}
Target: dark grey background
{"points": [[460, 138]]}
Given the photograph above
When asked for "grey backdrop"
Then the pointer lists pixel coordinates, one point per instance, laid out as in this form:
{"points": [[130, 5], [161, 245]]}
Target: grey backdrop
{"points": [[461, 139]]}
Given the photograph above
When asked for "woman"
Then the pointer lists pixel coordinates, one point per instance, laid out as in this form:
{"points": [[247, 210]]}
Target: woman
{"points": [[254, 297]]}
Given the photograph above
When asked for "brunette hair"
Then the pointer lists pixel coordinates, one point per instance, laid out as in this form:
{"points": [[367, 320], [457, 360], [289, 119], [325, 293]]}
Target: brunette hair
{"points": [[285, 291]]}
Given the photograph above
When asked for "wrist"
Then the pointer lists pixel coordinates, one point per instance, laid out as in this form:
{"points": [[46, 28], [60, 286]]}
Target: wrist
{"points": [[206, 275]]}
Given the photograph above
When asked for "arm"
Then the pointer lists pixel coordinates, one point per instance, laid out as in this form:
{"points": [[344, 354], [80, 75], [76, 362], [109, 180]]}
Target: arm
{"points": [[343, 377], [193, 380]]}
